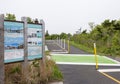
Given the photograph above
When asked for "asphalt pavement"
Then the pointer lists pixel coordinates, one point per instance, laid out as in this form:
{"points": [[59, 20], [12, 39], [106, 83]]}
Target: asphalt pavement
{"points": [[54, 46], [83, 74], [80, 74]]}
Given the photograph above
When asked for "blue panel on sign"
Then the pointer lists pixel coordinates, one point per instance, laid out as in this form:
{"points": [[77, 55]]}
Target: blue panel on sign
{"points": [[35, 57], [34, 41], [13, 41], [13, 60], [34, 26]]}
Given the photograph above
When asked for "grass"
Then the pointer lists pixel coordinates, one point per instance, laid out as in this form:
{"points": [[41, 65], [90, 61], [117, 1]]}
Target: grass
{"points": [[82, 47], [81, 59]]}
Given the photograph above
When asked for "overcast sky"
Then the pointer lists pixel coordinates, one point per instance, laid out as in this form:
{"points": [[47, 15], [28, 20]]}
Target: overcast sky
{"points": [[64, 15]]}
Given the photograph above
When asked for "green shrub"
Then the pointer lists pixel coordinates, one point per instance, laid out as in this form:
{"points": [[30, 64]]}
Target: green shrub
{"points": [[82, 47], [47, 53], [56, 75]]}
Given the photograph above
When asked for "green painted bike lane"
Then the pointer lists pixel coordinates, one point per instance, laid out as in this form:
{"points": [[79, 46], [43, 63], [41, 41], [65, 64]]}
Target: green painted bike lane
{"points": [[77, 58]]}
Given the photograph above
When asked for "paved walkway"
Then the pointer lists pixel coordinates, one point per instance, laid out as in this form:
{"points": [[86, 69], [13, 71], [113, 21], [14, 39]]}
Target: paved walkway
{"points": [[87, 74], [80, 74], [53, 47]]}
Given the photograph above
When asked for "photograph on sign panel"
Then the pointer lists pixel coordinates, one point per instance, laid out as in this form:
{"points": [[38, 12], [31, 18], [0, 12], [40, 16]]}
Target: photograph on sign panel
{"points": [[13, 36], [34, 37]]}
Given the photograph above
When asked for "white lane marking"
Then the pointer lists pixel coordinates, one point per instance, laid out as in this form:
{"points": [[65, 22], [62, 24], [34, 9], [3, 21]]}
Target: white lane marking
{"points": [[57, 50], [109, 70], [112, 60], [74, 54], [100, 64]]}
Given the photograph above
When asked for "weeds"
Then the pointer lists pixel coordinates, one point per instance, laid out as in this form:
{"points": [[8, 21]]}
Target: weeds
{"points": [[37, 74]]}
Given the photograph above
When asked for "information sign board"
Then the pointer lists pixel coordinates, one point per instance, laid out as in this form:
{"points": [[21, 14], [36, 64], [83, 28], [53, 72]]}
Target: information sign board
{"points": [[13, 41], [34, 41]]}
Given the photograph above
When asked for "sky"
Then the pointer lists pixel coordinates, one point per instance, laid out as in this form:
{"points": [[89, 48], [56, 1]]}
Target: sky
{"points": [[63, 15]]}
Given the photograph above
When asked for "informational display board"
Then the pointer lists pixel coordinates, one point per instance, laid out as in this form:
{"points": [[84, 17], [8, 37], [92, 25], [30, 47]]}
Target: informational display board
{"points": [[34, 41], [13, 41], [20, 42]]}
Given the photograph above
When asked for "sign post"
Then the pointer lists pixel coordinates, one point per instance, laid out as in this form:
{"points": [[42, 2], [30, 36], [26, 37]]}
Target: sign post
{"points": [[2, 75], [42, 62], [96, 59], [25, 63], [19, 42], [43, 40]]}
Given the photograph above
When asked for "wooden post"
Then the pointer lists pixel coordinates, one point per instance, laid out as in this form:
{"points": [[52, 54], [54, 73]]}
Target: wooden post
{"points": [[43, 40], [42, 62], [2, 72], [25, 63]]}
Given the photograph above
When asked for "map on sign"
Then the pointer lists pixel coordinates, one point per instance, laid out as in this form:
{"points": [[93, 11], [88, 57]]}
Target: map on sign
{"points": [[13, 41], [34, 41]]}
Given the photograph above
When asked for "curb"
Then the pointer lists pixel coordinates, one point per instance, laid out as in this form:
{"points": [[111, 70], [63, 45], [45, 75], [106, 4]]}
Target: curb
{"points": [[56, 83]]}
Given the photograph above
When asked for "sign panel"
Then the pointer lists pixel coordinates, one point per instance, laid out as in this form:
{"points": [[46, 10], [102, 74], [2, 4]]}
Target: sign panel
{"points": [[34, 41], [13, 41]]}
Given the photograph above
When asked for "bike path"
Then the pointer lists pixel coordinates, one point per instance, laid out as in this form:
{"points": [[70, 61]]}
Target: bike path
{"points": [[79, 74], [84, 74]]}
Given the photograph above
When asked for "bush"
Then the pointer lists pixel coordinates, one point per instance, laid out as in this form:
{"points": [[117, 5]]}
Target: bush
{"points": [[38, 74]]}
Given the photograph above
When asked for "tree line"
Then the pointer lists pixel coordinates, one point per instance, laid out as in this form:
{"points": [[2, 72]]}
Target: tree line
{"points": [[106, 36], [56, 36], [12, 17]]}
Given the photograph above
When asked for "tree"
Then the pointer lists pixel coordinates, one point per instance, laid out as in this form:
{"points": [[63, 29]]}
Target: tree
{"points": [[29, 20], [46, 33], [91, 24], [36, 21], [84, 31], [117, 25], [63, 35], [105, 35], [10, 17], [54, 36]]}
